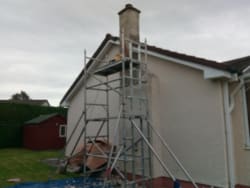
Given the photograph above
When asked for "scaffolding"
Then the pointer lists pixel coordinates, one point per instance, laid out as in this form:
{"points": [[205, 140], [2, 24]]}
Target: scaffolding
{"points": [[125, 128], [129, 158]]}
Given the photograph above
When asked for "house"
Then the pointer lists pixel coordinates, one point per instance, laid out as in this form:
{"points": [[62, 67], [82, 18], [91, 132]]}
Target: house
{"points": [[199, 106], [39, 102], [45, 132]]}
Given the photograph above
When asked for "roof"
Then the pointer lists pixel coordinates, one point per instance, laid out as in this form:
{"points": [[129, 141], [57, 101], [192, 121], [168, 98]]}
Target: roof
{"points": [[194, 59], [232, 66], [238, 65], [41, 118], [39, 102]]}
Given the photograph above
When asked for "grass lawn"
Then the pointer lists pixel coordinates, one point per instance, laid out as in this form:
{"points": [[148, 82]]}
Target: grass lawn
{"points": [[27, 165]]}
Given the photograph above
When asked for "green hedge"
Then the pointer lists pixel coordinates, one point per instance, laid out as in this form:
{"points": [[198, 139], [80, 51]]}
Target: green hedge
{"points": [[19, 113], [10, 136], [13, 116]]}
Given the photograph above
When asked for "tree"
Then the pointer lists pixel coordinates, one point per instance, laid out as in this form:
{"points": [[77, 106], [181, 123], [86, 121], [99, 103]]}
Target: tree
{"points": [[22, 96]]}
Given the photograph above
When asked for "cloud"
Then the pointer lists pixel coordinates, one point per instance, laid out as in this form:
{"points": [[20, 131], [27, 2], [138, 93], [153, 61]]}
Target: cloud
{"points": [[42, 41]]}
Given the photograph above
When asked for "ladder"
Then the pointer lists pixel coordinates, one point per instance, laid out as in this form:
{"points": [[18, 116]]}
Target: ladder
{"points": [[129, 157]]}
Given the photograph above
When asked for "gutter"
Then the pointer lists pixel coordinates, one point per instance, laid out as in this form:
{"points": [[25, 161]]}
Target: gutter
{"points": [[229, 137]]}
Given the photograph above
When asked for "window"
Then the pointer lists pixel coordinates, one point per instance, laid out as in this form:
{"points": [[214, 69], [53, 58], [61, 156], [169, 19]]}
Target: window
{"points": [[62, 131]]}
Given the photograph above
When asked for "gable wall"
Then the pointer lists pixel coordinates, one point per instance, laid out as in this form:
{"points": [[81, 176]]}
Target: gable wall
{"points": [[187, 110]]}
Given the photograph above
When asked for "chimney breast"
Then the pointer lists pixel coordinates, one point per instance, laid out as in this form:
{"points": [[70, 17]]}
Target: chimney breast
{"points": [[129, 22]]}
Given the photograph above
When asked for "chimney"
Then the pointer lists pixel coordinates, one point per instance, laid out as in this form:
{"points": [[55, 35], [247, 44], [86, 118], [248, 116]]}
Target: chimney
{"points": [[129, 24]]}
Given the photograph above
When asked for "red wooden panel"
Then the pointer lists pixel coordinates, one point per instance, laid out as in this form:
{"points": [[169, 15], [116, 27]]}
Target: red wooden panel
{"points": [[44, 136]]}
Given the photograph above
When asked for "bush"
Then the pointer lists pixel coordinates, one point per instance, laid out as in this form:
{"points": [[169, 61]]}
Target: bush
{"points": [[10, 136]]}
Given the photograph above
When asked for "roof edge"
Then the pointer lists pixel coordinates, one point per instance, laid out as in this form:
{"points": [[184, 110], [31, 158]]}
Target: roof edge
{"points": [[197, 61], [107, 38], [41, 118], [238, 65]]}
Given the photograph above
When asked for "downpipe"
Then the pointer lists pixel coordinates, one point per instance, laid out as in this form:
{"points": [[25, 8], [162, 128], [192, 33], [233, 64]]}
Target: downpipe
{"points": [[228, 133]]}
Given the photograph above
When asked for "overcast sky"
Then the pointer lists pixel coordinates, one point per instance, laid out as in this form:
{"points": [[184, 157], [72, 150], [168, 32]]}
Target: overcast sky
{"points": [[42, 41]]}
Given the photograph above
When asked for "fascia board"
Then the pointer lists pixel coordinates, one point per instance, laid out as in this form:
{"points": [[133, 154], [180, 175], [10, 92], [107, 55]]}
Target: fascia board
{"points": [[208, 72]]}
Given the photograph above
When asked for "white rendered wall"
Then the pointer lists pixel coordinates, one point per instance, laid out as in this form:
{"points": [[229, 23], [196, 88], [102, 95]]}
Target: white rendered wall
{"points": [[188, 112]]}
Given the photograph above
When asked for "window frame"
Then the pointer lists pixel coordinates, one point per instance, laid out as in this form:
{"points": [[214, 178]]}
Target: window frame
{"points": [[61, 127]]}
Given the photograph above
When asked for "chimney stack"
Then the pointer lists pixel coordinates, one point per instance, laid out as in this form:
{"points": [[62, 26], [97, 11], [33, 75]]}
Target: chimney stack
{"points": [[129, 24]]}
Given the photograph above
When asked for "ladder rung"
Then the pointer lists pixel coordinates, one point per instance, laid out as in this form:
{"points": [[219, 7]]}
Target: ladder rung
{"points": [[97, 119], [106, 157], [101, 118], [96, 104], [135, 97], [100, 136], [135, 116], [97, 89], [103, 83], [130, 138]]}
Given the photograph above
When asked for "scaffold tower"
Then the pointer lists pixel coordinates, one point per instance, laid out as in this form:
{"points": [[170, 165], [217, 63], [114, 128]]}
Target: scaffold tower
{"points": [[116, 121], [128, 157]]}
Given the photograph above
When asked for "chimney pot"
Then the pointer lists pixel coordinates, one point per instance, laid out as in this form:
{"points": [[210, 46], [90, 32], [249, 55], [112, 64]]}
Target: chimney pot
{"points": [[129, 6]]}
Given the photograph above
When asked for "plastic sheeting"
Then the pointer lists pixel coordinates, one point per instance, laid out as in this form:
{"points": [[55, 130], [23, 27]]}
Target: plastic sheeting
{"points": [[65, 183]]}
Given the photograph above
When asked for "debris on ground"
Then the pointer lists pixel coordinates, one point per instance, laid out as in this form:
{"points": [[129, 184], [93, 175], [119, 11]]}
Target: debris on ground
{"points": [[76, 163], [54, 162], [14, 180], [92, 162]]}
